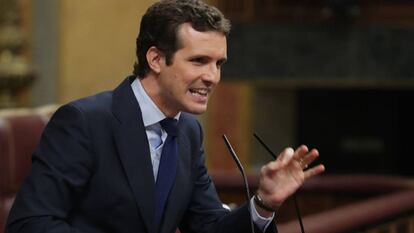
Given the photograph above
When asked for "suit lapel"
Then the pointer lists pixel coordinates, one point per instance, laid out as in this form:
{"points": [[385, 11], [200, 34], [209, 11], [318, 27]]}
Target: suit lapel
{"points": [[132, 144]]}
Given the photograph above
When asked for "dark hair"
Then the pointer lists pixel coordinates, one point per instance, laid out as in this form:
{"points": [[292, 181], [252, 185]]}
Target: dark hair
{"points": [[160, 24]]}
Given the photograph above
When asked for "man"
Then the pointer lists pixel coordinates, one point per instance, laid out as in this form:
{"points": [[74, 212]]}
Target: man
{"points": [[100, 165]]}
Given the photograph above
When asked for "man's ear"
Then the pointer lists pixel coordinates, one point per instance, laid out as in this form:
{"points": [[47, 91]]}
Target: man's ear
{"points": [[154, 59]]}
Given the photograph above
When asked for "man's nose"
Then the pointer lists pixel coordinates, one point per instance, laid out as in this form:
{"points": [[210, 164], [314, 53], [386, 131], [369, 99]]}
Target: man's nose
{"points": [[212, 75]]}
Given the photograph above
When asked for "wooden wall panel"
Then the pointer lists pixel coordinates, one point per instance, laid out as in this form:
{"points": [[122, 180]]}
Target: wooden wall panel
{"points": [[97, 44]]}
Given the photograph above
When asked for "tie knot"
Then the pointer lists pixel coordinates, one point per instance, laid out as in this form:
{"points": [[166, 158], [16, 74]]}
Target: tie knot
{"points": [[169, 125]]}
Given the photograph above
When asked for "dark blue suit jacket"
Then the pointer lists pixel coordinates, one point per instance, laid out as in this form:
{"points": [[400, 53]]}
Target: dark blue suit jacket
{"points": [[92, 173]]}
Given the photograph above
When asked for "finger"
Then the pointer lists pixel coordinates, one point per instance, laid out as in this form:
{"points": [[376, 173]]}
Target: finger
{"points": [[301, 152], [300, 156], [286, 156], [309, 158], [282, 154], [270, 166], [280, 162], [314, 171]]}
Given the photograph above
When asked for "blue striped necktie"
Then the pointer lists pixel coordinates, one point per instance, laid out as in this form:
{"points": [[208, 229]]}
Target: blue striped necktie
{"points": [[167, 168]]}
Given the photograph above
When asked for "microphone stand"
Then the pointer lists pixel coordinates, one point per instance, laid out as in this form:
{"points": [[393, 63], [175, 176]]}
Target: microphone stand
{"points": [[294, 195], [241, 169]]}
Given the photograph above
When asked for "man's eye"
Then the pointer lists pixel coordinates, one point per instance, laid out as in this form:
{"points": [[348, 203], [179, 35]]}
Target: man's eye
{"points": [[220, 63], [199, 60]]}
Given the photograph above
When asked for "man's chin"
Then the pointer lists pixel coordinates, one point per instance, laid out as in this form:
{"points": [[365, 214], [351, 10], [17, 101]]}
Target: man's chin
{"points": [[197, 110]]}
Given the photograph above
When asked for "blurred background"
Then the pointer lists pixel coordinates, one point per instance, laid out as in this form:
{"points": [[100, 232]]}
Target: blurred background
{"points": [[336, 75], [333, 74]]}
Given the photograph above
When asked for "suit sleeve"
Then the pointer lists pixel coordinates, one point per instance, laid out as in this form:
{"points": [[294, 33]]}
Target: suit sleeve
{"points": [[61, 167], [206, 214]]}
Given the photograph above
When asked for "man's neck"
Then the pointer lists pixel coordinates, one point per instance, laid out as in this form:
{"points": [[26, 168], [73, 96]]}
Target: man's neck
{"points": [[151, 87]]}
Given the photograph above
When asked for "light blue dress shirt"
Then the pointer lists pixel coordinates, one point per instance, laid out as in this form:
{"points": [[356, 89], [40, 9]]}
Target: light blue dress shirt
{"points": [[151, 116]]}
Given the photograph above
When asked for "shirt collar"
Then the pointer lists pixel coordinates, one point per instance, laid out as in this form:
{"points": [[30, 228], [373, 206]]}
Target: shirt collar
{"points": [[151, 114]]}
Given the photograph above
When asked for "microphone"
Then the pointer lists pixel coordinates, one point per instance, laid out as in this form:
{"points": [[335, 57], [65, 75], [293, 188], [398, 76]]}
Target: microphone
{"points": [[241, 169], [294, 195]]}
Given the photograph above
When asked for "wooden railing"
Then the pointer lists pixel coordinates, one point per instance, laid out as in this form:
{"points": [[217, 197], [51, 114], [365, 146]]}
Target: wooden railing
{"points": [[339, 203], [358, 216]]}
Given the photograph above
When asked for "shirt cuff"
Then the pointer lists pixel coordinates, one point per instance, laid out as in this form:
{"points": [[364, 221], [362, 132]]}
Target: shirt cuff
{"points": [[261, 222]]}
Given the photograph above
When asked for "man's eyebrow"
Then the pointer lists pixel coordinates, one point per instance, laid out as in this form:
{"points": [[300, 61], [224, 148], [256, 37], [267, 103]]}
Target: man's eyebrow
{"points": [[199, 55], [221, 60]]}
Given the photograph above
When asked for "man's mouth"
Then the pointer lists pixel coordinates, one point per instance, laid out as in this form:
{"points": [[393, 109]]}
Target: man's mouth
{"points": [[200, 92]]}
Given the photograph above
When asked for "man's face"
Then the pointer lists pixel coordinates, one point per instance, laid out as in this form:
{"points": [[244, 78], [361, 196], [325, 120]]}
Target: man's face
{"points": [[186, 84]]}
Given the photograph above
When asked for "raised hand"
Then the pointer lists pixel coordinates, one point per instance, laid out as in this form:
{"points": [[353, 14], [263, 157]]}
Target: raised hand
{"points": [[281, 178]]}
